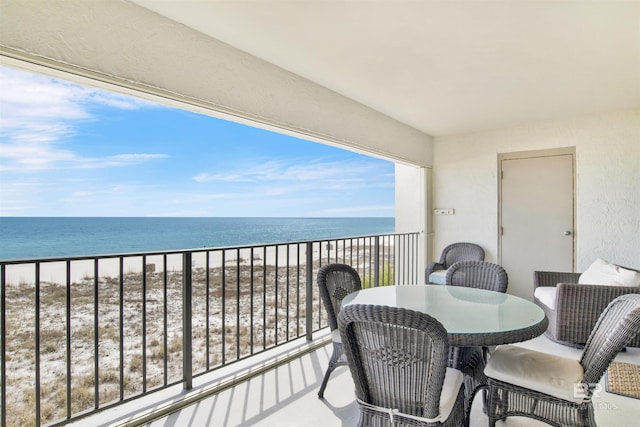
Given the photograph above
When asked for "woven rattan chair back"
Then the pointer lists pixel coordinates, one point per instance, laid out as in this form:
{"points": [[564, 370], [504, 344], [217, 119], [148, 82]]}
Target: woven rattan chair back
{"points": [[455, 252], [335, 281], [617, 326], [397, 358], [478, 274], [461, 251]]}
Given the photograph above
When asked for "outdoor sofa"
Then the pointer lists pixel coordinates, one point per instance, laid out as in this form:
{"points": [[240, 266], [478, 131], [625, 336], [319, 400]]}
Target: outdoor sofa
{"points": [[573, 305]]}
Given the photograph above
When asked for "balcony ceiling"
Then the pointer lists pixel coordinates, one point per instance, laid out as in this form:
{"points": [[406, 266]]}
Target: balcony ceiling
{"points": [[443, 67]]}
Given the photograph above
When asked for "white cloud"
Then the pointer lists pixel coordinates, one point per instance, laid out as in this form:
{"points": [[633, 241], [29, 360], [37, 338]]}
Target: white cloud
{"points": [[295, 184], [31, 156], [229, 177], [83, 194], [39, 109], [364, 210], [339, 173], [32, 96], [37, 113], [114, 161]]}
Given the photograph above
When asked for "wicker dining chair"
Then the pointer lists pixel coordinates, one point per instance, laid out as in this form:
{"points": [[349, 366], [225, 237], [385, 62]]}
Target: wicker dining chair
{"points": [[478, 274], [461, 251], [471, 360], [335, 282], [555, 389], [397, 358]]}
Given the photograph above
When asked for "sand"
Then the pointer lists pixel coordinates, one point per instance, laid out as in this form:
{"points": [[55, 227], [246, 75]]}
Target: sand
{"points": [[257, 314]]}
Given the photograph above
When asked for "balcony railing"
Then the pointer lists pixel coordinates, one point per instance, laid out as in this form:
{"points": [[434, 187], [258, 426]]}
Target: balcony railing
{"points": [[83, 334]]}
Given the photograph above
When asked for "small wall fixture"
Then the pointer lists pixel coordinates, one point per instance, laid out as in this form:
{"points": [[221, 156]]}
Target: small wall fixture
{"points": [[449, 211]]}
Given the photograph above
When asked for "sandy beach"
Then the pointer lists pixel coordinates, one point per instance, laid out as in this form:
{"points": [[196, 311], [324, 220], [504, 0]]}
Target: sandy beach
{"points": [[264, 303], [291, 254]]}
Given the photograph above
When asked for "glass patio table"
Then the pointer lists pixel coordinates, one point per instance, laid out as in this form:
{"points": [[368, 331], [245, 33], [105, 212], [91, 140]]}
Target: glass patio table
{"points": [[472, 317]]}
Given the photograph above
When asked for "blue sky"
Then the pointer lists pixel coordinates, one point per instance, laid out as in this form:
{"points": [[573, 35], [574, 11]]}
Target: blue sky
{"points": [[69, 150]]}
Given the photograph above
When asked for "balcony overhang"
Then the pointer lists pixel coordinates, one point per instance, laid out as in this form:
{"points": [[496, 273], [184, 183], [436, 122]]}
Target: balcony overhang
{"points": [[130, 49]]}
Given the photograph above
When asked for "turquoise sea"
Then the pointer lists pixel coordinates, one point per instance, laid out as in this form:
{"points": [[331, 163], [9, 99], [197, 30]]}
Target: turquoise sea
{"points": [[29, 237]]}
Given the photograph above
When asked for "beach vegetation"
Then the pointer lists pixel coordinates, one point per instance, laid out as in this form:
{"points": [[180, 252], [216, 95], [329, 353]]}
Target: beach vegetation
{"points": [[243, 310], [386, 277]]}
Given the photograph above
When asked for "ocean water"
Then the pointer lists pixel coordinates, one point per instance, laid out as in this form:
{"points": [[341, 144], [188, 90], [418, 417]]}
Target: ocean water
{"points": [[29, 237]]}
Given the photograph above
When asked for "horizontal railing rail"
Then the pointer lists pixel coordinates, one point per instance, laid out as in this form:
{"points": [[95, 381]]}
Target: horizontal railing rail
{"points": [[83, 334]]}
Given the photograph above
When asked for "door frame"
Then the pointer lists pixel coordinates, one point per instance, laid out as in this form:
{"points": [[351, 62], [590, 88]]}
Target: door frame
{"points": [[551, 152]]}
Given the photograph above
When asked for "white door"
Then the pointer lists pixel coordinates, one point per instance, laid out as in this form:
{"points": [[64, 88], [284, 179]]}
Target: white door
{"points": [[536, 217]]}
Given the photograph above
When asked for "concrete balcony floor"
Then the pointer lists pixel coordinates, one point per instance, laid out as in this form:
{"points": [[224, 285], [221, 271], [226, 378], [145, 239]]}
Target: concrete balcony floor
{"points": [[287, 396]]}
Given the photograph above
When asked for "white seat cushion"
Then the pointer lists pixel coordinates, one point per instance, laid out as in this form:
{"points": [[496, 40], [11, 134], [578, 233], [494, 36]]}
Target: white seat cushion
{"points": [[335, 336], [546, 373], [547, 295], [452, 382], [438, 277]]}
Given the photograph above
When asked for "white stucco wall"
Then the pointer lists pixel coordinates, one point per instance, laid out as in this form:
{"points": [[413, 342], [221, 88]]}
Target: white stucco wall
{"points": [[412, 209], [607, 184], [122, 43], [413, 206]]}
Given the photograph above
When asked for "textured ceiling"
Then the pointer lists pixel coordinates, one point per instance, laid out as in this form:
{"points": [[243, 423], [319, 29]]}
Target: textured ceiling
{"points": [[444, 67]]}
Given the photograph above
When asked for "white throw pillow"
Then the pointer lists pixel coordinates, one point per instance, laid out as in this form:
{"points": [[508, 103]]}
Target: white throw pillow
{"points": [[602, 272]]}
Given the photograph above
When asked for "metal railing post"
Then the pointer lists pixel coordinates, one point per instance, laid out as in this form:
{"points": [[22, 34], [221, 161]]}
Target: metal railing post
{"points": [[3, 347], [376, 262], [309, 287], [37, 343], [187, 353]]}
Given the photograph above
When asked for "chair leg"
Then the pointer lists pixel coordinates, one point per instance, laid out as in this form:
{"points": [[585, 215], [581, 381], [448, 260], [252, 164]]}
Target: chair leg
{"points": [[325, 380], [493, 406], [333, 363], [485, 400]]}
